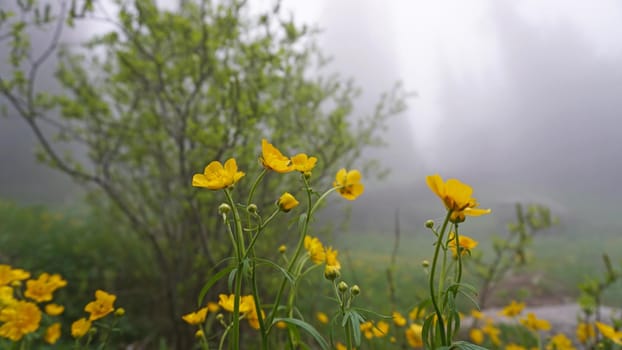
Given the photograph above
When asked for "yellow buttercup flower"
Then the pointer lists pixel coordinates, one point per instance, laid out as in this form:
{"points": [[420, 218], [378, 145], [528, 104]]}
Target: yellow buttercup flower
{"points": [[398, 319], [513, 309], [80, 327], [287, 202], [6, 297], [9, 275], [585, 332], [560, 342], [477, 336], [348, 184], [322, 317], [304, 163], [196, 318], [52, 333], [101, 306], [610, 333], [19, 319], [340, 346], [315, 248], [381, 329], [413, 335], [331, 258], [212, 306], [535, 324], [54, 309], [271, 158], [216, 176], [466, 244], [493, 332], [41, 289], [366, 329], [227, 303], [456, 196]]}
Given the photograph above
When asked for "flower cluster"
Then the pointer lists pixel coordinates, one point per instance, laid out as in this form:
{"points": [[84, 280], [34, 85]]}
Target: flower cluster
{"points": [[320, 254]]}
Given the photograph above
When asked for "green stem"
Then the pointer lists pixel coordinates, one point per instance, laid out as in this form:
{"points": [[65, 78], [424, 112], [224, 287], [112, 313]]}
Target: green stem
{"points": [[259, 230], [238, 278], [439, 315]]}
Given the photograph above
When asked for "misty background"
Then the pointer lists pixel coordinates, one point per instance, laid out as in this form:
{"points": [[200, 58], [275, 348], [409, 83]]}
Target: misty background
{"points": [[518, 99]]}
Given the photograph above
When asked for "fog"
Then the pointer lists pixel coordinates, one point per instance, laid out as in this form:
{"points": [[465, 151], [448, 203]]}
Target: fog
{"points": [[519, 99]]}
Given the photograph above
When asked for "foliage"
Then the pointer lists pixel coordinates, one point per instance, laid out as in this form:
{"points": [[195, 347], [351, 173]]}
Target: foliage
{"points": [[162, 91]]}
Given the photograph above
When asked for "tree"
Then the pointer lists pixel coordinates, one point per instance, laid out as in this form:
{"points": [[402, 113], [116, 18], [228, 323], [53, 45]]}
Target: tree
{"points": [[164, 92]]}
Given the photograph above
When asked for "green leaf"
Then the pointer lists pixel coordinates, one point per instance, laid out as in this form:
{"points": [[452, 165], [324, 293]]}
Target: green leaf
{"points": [[283, 271], [211, 281], [307, 328]]}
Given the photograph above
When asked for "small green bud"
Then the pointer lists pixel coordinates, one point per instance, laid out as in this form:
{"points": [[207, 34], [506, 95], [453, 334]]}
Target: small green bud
{"points": [[355, 290], [119, 312], [224, 209], [282, 249], [429, 223], [252, 208], [342, 286], [425, 263], [331, 273]]}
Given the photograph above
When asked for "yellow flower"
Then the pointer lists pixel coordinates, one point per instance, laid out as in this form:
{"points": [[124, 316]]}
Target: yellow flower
{"points": [[381, 329], [466, 244], [271, 158], [492, 332], [217, 177], [348, 184], [304, 163], [456, 196], [398, 319], [331, 258], [101, 306], [227, 303], [42, 288], [366, 329], [196, 318], [6, 297], [322, 317], [315, 249], [476, 314], [585, 332], [212, 306], [413, 335], [8, 275], [251, 315], [535, 324], [281, 325], [477, 336], [19, 319], [287, 202], [610, 333], [340, 346], [54, 309], [52, 333], [513, 309], [80, 327], [416, 313], [560, 342], [513, 346]]}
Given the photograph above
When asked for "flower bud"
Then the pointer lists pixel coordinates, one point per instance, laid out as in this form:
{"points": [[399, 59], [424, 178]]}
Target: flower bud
{"points": [[119, 312], [220, 317], [425, 263], [355, 290], [342, 286], [282, 249], [252, 208], [287, 202], [16, 284], [429, 223], [199, 334], [224, 209], [331, 273]]}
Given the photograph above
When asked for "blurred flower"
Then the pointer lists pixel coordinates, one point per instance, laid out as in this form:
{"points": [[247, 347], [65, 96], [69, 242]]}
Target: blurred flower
{"points": [[196, 318], [42, 288], [321, 317], [19, 319], [340, 346], [199, 334], [456, 196], [348, 184], [585, 332], [513, 346], [398, 319], [287, 202], [54, 309], [380, 329], [610, 333], [477, 336], [6, 297], [217, 177], [212, 306], [366, 329], [315, 248], [251, 315], [304, 163], [476, 314], [101, 306], [492, 332], [560, 342], [80, 327], [513, 309], [119, 312], [281, 325], [271, 158], [466, 243], [413, 335], [9, 274], [52, 333], [331, 258], [227, 303], [535, 324]]}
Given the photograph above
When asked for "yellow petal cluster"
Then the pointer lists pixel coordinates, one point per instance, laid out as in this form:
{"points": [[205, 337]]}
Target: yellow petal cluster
{"points": [[413, 335], [534, 323], [272, 159], [585, 332], [216, 176], [560, 342], [287, 202], [304, 163], [610, 332], [19, 319], [348, 184], [315, 249], [466, 244], [248, 309], [101, 306], [9, 274], [321, 317], [456, 196], [197, 317], [398, 319], [80, 327], [52, 333], [41, 289], [54, 309], [513, 309]]}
